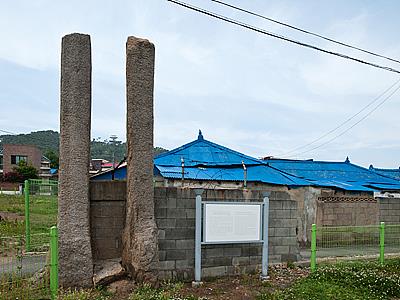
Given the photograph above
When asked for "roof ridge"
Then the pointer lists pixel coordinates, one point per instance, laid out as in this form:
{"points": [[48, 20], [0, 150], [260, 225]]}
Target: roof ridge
{"points": [[185, 146]]}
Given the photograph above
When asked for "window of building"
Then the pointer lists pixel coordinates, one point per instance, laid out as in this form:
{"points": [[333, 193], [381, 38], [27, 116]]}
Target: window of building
{"points": [[1, 162], [15, 159]]}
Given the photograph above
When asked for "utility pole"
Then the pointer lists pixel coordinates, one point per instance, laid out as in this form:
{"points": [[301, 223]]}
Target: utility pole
{"points": [[113, 140]]}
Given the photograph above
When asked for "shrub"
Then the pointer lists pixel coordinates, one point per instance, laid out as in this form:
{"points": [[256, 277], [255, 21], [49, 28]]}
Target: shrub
{"points": [[13, 177], [26, 171]]}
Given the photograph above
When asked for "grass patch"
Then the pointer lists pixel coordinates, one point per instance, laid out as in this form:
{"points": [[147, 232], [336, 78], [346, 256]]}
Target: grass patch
{"points": [[11, 228], [43, 214], [84, 294], [168, 291], [350, 280]]}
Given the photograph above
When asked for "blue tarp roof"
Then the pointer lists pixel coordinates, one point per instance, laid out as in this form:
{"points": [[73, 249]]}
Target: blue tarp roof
{"points": [[260, 173], [343, 175], [392, 173], [204, 160], [203, 153]]}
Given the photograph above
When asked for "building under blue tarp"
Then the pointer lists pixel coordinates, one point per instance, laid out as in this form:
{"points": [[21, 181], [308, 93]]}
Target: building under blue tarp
{"points": [[203, 160], [392, 173]]}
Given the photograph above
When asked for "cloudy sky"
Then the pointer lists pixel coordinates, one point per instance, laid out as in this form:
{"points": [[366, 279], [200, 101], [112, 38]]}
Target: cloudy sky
{"points": [[252, 93]]}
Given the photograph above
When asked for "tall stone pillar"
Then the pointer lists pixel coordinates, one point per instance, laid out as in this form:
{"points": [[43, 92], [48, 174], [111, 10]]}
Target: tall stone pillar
{"points": [[75, 253], [140, 244]]}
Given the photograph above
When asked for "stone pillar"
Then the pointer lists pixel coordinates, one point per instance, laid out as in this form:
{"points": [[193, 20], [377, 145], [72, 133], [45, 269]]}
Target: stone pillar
{"points": [[75, 254], [140, 244]]}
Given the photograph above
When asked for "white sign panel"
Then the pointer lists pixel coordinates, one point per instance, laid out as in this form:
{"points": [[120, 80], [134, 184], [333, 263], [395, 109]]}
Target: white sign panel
{"points": [[231, 222]]}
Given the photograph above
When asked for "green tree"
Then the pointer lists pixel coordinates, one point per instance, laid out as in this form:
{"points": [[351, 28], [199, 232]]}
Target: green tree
{"points": [[53, 157], [26, 171]]}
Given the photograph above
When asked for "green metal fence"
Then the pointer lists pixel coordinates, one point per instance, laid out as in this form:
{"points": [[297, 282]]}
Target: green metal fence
{"points": [[41, 201], [29, 274], [354, 241]]}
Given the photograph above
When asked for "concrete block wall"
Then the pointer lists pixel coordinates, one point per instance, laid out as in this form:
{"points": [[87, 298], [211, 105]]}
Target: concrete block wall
{"points": [[107, 218], [175, 216], [344, 212], [389, 210]]}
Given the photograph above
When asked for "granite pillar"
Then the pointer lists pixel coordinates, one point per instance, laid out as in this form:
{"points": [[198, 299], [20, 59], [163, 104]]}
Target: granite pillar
{"points": [[140, 244], [75, 254]]}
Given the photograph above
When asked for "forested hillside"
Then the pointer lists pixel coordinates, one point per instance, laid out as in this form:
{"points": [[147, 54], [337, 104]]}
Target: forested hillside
{"points": [[48, 140]]}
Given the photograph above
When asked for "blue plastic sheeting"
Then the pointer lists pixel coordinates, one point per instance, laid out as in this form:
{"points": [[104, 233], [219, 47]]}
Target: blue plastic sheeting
{"points": [[392, 173], [343, 175], [261, 173], [386, 187], [204, 160], [203, 153]]}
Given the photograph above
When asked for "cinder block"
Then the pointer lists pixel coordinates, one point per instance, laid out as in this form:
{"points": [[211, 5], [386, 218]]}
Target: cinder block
{"points": [[160, 202], [282, 213], [172, 192], [184, 264], [166, 244], [190, 213], [160, 213], [166, 223], [186, 203], [179, 233], [282, 232], [160, 192], [222, 261], [271, 231], [279, 195], [185, 223], [289, 204], [185, 244], [162, 254], [161, 234], [275, 204], [175, 213], [280, 250], [214, 271], [213, 252], [255, 260], [288, 241], [190, 254], [240, 261], [167, 265], [176, 255], [171, 202], [235, 251]]}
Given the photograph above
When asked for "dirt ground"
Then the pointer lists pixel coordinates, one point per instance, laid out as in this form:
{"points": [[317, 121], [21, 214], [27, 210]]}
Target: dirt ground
{"points": [[241, 287], [10, 216]]}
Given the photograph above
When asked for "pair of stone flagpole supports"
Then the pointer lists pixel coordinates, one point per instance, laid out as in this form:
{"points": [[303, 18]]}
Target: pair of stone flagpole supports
{"points": [[140, 248]]}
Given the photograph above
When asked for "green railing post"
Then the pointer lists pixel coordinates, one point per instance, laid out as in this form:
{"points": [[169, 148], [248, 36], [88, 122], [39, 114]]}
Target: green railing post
{"points": [[382, 243], [313, 247], [27, 217], [53, 262]]}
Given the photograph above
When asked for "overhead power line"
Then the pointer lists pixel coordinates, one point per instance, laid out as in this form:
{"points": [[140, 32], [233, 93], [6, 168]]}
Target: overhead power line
{"points": [[304, 31], [352, 126], [259, 30], [8, 132], [343, 123]]}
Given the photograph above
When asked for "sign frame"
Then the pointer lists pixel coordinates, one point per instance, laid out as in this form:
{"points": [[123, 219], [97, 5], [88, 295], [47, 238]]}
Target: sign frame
{"points": [[264, 219], [228, 203]]}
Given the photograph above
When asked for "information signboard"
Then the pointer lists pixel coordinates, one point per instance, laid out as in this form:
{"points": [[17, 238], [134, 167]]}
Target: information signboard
{"points": [[232, 222]]}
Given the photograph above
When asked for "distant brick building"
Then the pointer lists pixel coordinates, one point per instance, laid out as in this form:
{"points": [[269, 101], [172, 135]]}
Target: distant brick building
{"points": [[13, 154]]}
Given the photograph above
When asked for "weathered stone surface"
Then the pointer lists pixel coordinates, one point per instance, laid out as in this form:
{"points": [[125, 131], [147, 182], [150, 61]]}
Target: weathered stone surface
{"points": [[108, 271], [140, 244], [75, 254]]}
